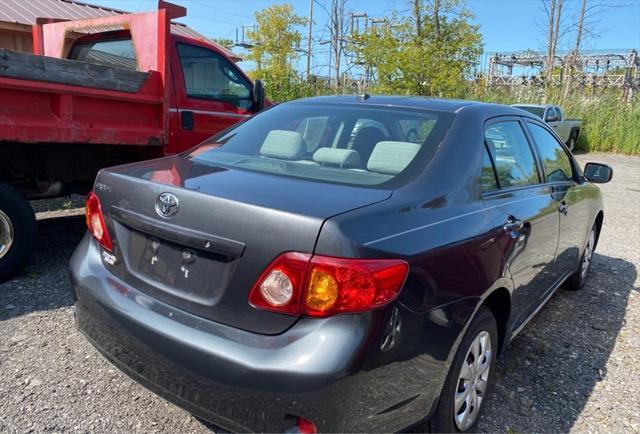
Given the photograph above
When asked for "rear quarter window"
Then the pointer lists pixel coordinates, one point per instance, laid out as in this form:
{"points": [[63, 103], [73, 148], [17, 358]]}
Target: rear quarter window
{"points": [[117, 53]]}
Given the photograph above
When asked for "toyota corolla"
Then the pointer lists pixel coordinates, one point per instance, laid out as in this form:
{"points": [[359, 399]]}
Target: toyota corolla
{"points": [[336, 263]]}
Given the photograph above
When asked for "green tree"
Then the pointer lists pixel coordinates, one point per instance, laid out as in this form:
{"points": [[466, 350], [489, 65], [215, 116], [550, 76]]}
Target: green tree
{"points": [[276, 40], [430, 52]]}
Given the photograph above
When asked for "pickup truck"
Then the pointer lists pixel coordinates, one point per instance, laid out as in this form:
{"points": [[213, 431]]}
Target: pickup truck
{"points": [[567, 129], [101, 92]]}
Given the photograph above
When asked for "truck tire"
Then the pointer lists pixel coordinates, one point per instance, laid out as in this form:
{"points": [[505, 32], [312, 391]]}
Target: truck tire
{"points": [[18, 231], [573, 139]]}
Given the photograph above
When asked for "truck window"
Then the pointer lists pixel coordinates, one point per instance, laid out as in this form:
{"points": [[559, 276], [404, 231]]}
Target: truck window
{"points": [[117, 53], [208, 75]]}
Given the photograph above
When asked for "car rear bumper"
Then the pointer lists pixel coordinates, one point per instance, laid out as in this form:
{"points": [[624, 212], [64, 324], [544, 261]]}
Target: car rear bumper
{"points": [[326, 370]]}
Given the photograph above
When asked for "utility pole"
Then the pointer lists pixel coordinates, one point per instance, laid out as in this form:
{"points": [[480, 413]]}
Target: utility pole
{"points": [[309, 39]]}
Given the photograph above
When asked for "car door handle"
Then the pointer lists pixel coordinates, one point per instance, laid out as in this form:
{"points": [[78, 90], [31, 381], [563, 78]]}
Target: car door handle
{"points": [[563, 208], [513, 225]]}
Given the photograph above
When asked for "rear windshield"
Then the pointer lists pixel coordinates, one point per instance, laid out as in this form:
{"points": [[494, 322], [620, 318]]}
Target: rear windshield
{"points": [[117, 53], [355, 145], [537, 111]]}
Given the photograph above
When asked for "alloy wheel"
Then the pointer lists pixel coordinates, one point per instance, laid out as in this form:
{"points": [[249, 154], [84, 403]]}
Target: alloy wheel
{"points": [[6, 234], [473, 381], [588, 255]]}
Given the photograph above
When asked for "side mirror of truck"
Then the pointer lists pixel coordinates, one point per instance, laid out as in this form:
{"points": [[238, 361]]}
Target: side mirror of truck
{"points": [[550, 117], [258, 96], [598, 173]]}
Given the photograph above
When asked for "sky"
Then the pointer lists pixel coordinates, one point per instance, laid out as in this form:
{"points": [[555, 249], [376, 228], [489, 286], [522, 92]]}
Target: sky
{"points": [[506, 25]]}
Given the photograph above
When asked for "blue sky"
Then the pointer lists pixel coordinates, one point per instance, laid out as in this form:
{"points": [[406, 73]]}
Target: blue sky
{"points": [[506, 25]]}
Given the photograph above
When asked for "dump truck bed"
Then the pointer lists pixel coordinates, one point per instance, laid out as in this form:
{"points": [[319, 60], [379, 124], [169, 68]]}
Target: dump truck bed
{"points": [[51, 100]]}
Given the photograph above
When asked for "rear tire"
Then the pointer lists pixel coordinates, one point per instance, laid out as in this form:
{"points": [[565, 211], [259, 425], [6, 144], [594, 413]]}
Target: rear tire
{"points": [[18, 231], [469, 386], [578, 279], [573, 139]]}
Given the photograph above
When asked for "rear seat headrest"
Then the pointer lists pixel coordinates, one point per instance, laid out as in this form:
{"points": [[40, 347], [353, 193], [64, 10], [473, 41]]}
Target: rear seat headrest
{"points": [[392, 157], [338, 157], [284, 144]]}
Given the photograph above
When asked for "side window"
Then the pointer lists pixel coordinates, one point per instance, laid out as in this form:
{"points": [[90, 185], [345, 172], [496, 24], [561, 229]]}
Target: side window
{"points": [[488, 176], [555, 161], [207, 75], [558, 113], [514, 162]]}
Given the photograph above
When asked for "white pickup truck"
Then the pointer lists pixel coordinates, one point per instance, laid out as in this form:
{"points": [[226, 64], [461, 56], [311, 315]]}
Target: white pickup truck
{"points": [[567, 129]]}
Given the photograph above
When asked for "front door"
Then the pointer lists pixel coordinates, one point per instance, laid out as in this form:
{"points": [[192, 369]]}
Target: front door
{"points": [[211, 94], [525, 215], [570, 197]]}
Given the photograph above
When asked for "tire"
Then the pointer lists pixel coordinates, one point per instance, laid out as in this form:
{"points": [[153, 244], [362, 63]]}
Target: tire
{"points": [[446, 417], [578, 279], [573, 139], [18, 231]]}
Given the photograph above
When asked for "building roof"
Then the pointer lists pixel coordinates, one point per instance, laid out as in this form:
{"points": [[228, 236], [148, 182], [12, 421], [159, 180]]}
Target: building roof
{"points": [[25, 12]]}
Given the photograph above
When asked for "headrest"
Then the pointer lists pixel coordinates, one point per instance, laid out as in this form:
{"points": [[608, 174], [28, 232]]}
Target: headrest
{"points": [[338, 157], [392, 157], [284, 144]]}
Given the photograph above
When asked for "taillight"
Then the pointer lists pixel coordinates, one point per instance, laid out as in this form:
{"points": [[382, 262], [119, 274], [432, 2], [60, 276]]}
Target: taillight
{"points": [[95, 221], [320, 286]]}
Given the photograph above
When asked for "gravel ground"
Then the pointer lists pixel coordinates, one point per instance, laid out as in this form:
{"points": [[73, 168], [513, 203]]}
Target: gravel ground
{"points": [[574, 368]]}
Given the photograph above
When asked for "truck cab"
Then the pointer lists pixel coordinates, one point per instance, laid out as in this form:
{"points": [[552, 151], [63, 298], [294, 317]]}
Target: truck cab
{"points": [[209, 92]]}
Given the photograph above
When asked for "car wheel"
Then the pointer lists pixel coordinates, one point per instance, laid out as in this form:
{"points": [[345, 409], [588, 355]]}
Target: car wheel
{"points": [[470, 377], [579, 278], [18, 231]]}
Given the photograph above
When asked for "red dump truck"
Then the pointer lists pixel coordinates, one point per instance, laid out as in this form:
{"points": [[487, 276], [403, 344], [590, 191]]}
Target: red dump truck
{"points": [[101, 92]]}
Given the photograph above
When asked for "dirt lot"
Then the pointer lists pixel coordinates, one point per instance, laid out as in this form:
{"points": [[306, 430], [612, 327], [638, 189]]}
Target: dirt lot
{"points": [[574, 368]]}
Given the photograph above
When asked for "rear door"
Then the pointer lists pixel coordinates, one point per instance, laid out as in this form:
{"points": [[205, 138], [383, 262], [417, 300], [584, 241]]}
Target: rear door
{"points": [[571, 199], [211, 93], [523, 207]]}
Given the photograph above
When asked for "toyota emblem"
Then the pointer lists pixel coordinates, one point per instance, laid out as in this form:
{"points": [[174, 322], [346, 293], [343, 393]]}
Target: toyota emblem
{"points": [[167, 205]]}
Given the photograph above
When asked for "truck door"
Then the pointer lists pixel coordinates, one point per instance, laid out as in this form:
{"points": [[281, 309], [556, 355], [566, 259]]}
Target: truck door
{"points": [[554, 120], [211, 94]]}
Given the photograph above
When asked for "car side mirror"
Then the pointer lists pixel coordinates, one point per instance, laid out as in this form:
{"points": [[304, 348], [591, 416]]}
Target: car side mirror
{"points": [[551, 118], [258, 96], [598, 173]]}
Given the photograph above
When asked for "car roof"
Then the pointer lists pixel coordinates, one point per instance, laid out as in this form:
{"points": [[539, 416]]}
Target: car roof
{"points": [[420, 102]]}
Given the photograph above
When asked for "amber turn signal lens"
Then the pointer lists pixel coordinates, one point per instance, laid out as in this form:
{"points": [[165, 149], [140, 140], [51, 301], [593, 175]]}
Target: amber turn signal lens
{"points": [[323, 291]]}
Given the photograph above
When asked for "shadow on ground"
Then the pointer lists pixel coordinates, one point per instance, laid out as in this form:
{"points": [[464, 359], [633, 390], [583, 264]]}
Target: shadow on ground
{"points": [[551, 369]]}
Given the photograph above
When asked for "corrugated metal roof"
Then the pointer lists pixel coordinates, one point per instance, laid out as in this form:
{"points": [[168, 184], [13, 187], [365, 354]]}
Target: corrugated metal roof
{"points": [[26, 11]]}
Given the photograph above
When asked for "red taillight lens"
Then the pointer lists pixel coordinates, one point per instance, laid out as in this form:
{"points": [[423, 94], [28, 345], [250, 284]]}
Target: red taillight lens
{"points": [[305, 426], [278, 288], [95, 221], [320, 286]]}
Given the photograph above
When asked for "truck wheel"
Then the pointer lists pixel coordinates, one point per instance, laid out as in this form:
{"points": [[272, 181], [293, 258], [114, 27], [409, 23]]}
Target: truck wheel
{"points": [[573, 139], [18, 231]]}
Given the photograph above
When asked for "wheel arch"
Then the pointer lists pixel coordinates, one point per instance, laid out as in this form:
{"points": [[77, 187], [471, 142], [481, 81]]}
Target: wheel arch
{"points": [[598, 222], [499, 303]]}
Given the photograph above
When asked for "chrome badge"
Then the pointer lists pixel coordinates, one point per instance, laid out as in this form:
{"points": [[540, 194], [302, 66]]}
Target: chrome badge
{"points": [[167, 205]]}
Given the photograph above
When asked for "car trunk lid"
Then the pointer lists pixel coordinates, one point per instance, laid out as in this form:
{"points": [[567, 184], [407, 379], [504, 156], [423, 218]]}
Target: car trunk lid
{"points": [[229, 225]]}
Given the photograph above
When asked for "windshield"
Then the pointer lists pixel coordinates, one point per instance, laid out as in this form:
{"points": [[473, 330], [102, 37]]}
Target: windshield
{"points": [[537, 111], [342, 143]]}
